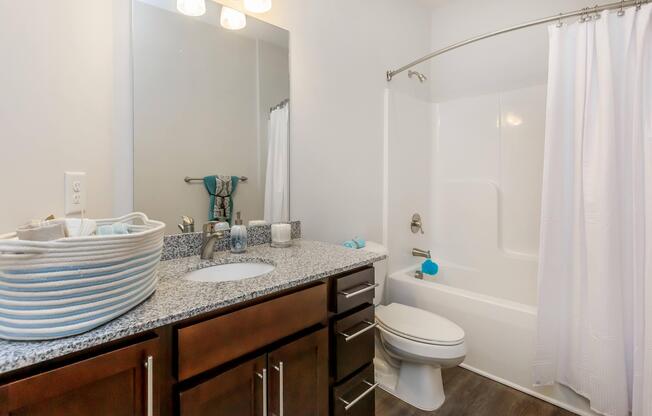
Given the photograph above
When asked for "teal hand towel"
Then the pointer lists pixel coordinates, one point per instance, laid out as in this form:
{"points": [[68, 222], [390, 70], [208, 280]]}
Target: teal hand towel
{"points": [[220, 189], [349, 244]]}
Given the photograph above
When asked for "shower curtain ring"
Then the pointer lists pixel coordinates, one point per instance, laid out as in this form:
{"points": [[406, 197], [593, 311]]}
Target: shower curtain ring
{"points": [[583, 15], [559, 22], [621, 12], [596, 14], [639, 4]]}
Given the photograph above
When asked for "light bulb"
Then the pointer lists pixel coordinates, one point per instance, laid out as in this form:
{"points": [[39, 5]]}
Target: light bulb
{"points": [[258, 6], [232, 19], [192, 7]]}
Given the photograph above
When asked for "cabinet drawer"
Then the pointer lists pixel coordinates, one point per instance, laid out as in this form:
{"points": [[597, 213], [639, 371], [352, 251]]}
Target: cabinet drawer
{"points": [[354, 289], [208, 344], [356, 397], [354, 345]]}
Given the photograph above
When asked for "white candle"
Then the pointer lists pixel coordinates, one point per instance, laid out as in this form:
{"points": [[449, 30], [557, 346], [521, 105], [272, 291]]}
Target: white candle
{"points": [[281, 233]]}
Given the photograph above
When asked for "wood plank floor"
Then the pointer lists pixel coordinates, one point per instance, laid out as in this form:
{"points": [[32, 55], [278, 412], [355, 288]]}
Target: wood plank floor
{"points": [[469, 394]]}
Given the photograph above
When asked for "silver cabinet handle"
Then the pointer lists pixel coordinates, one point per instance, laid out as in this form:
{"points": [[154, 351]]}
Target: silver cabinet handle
{"points": [[279, 368], [348, 337], [348, 295], [263, 376], [348, 405], [149, 365]]}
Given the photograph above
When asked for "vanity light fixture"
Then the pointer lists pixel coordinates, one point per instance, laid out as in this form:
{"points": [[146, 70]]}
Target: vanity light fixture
{"points": [[193, 8], [232, 19], [258, 6]]}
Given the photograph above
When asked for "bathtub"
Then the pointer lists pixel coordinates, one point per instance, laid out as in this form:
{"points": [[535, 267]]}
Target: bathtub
{"points": [[500, 332]]}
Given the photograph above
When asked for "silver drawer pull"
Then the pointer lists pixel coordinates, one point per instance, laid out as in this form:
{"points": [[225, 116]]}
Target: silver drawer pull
{"points": [[348, 337], [264, 377], [348, 405], [149, 366], [348, 295]]}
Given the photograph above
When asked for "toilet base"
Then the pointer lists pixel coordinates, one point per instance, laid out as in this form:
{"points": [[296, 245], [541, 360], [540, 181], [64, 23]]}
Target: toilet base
{"points": [[419, 385]]}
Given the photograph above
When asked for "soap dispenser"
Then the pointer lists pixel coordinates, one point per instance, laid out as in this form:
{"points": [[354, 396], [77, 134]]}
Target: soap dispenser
{"points": [[238, 236]]}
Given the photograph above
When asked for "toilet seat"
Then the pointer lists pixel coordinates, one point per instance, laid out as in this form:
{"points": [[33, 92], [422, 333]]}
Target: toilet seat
{"points": [[418, 325], [406, 349]]}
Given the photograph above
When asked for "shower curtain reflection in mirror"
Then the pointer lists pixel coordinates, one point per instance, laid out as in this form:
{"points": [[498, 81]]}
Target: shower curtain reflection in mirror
{"points": [[277, 187]]}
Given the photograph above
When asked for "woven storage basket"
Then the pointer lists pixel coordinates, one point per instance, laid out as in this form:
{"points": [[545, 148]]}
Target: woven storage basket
{"points": [[60, 288]]}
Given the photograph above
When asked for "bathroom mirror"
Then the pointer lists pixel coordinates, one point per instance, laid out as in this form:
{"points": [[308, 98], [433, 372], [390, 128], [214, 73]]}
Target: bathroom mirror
{"points": [[212, 103]]}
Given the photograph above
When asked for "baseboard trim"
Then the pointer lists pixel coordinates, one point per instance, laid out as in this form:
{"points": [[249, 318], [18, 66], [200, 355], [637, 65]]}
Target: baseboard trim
{"points": [[527, 391]]}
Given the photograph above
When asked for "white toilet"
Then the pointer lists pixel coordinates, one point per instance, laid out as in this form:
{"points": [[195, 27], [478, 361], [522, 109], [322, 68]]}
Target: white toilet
{"points": [[412, 346]]}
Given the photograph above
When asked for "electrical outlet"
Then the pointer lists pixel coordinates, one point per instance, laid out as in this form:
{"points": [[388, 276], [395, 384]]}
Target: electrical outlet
{"points": [[75, 193]]}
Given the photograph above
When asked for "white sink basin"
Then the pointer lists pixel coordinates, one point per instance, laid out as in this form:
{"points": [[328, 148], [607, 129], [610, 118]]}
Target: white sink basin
{"points": [[229, 272]]}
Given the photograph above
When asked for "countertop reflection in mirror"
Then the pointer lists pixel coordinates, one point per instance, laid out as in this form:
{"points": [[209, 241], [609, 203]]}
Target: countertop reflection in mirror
{"points": [[209, 102]]}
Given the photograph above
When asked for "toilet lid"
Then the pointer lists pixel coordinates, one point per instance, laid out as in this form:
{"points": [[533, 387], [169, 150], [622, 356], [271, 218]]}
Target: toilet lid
{"points": [[418, 325]]}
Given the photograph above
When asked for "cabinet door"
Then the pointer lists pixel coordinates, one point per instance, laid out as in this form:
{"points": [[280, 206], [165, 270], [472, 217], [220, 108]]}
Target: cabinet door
{"points": [[116, 383], [238, 391], [298, 375]]}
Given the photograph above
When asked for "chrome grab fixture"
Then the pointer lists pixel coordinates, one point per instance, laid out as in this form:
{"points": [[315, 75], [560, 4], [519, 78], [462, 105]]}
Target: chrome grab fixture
{"points": [[417, 252], [416, 225], [188, 179], [149, 366], [349, 337], [368, 287], [187, 225], [208, 239], [349, 404], [279, 368], [263, 376]]}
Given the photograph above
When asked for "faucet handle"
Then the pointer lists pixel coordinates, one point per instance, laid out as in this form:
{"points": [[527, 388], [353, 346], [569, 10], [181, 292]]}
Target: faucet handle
{"points": [[416, 225], [209, 227]]}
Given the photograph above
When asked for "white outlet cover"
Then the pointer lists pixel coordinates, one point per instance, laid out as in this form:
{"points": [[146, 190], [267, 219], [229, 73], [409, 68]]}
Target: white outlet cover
{"points": [[75, 193]]}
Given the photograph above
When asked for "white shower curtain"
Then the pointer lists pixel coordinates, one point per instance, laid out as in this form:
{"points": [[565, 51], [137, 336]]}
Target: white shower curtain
{"points": [[595, 272], [277, 181]]}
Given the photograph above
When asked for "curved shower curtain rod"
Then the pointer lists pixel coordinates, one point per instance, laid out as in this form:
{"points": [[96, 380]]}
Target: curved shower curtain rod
{"points": [[586, 12]]}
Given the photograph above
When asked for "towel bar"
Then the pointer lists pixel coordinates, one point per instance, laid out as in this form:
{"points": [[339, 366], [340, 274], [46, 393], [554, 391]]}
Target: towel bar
{"points": [[188, 179]]}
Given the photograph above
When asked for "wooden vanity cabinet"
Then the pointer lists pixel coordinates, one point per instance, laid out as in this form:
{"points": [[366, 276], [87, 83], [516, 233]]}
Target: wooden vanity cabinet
{"points": [[298, 377], [121, 382], [289, 380], [352, 341], [238, 391]]}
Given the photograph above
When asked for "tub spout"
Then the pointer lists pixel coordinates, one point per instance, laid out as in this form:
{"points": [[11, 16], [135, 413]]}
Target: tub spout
{"points": [[417, 252]]}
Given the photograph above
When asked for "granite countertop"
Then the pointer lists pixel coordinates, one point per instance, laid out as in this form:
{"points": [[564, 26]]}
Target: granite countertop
{"points": [[177, 299]]}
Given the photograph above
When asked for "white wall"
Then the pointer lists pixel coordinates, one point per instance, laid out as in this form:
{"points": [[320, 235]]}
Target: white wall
{"points": [[56, 106], [66, 103], [339, 52], [509, 61]]}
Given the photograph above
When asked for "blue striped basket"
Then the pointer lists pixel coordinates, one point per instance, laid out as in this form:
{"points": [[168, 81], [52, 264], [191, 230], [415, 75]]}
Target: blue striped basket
{"points": [[60, 288]]}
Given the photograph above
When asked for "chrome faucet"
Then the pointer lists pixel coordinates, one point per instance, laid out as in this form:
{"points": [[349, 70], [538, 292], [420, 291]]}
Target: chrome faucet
{"points": [[209, 237], [417, 252]]}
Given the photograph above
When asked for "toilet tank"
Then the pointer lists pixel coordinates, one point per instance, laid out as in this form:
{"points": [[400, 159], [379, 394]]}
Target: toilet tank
{"points": [[381, 270]]}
